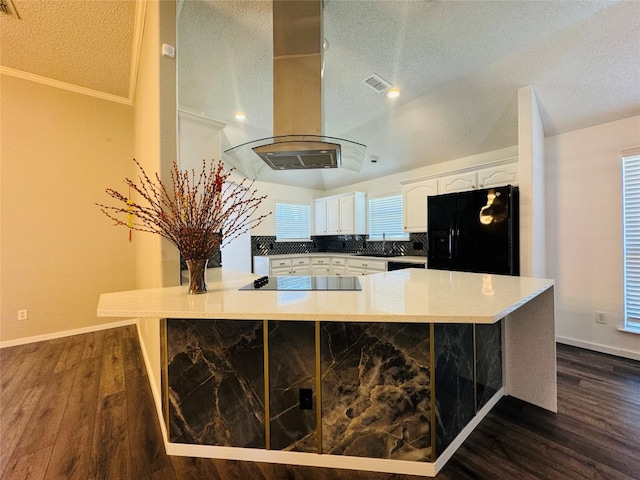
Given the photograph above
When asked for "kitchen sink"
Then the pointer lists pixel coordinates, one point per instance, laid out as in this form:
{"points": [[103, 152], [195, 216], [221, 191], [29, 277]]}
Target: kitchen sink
{"points": [[380, 255]]}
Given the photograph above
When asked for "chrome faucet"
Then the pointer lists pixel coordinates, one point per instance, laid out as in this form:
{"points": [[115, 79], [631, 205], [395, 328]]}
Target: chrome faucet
{"points": [[384, 243]]}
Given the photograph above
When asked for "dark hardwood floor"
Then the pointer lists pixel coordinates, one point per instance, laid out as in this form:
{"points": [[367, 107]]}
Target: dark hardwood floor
{"points": [[81, 408]]}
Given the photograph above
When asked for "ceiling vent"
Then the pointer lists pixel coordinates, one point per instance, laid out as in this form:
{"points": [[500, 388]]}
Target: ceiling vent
{"points": [[376, 83], [8, 8]]}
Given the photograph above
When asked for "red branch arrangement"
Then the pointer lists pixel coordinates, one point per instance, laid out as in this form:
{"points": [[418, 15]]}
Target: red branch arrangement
{"points": [[198, 214]]}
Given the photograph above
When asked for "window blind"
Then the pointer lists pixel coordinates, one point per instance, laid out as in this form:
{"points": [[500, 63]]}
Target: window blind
{"points": [[293, 221], [631, 222], [385, 216]]}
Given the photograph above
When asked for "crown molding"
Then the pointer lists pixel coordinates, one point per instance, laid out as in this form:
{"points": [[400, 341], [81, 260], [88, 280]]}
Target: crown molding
{"points": [[64, 86], [141, 10]]}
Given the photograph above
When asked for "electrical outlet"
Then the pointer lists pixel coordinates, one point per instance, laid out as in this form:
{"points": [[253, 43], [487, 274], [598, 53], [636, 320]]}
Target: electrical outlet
{"points": [[306, 399], [23, 314], [601, 317]]}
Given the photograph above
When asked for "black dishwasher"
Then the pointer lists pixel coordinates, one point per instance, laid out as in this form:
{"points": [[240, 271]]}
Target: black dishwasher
{"points": [[400, 265]]}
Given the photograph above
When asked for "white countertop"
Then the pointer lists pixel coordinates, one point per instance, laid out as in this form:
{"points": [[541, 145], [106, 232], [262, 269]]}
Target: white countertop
{"points": [[398, 258], [410, 295]]}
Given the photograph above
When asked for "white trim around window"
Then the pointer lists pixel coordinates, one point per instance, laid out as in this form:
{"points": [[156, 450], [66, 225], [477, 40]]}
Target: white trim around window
{"points": [[631, 238]]}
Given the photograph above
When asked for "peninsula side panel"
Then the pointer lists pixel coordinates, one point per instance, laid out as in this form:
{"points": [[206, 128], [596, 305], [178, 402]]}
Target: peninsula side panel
{"points": [[216, 382]]}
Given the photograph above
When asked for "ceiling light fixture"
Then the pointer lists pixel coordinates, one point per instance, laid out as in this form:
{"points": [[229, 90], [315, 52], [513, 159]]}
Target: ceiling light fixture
{"points": [[240, 116], [393, 93]]}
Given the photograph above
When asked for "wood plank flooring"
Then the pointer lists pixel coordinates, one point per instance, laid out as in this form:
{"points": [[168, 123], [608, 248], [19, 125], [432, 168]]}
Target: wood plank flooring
{"points": [[81, 408]]}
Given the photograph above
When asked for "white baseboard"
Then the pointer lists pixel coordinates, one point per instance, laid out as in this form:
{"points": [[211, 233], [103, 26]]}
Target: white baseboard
{"points": [[402, 467], [67, 333], [444, 457], [596, 347], [155, 389]]}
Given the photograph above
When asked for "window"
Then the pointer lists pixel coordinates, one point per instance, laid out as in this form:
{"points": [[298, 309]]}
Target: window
{"points": [[631, 222], [385, 216], [293, 221]]}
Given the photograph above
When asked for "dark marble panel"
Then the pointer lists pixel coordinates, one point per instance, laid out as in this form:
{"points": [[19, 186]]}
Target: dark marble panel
{"points": [[454, 386], [376, 399], [216, 382], [488, 361], [292, 366]]}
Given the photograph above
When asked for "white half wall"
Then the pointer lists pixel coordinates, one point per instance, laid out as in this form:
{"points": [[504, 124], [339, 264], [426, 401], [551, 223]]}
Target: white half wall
{"points": [[532, 195], [584, 234]]}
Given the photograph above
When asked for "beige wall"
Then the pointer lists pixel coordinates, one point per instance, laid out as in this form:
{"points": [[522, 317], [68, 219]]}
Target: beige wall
{"points": [[584, 233], [155, 147], [59, 151]]}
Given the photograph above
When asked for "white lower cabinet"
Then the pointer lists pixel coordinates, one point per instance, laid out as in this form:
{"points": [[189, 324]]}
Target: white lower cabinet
{"points": [[321, 266], [301, 271], [321, 271], [282, 267], [365, 267], [339, 271], [338, 266], [280, 271]]}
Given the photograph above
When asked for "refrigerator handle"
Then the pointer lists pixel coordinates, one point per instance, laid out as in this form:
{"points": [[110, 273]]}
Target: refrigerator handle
{"points": [[455, 234]]}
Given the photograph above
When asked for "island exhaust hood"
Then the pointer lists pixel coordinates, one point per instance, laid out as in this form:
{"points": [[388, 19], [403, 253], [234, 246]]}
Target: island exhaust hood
{"points": [[298, 141]]}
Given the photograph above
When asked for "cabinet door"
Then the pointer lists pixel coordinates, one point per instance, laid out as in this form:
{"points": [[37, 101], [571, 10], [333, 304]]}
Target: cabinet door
{"points": [[414, 196], [280, 271], [323, 261], [304, 270], [346, 210], [356, 271], [458, 182], [322, 271], [320, 216], [333, 216], [498, 176], [339, 271]]}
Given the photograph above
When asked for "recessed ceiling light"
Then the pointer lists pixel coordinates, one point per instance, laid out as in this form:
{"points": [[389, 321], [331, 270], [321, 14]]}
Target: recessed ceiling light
{"points": [[240, 116], [393, 93]]}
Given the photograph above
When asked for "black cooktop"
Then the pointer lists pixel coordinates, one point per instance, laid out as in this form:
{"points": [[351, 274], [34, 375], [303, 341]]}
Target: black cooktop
{"points": [[304, 283]]}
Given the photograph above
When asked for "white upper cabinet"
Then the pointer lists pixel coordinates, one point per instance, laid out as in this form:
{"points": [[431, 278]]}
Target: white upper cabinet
{"points": [[333, 216], [320, 217], [458, 182], [498, 176], [414, 201], [347, 214], [492, 176], [415, 192], [341, 214]]}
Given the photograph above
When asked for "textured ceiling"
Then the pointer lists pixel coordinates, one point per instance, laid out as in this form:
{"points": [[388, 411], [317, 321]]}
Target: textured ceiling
{"points": [[83, 43], [458, 64]]}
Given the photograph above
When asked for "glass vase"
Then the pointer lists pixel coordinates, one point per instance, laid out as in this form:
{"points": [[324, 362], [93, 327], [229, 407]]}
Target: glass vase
{"points": [[197, 275]]}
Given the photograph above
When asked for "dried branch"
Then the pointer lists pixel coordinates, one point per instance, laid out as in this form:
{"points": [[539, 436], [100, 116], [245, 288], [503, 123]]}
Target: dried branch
{"points": [[197, 214]]}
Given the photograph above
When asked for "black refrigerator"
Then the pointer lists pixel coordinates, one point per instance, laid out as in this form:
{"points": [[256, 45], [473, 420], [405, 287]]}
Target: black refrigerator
{"points": [[475, 231]]}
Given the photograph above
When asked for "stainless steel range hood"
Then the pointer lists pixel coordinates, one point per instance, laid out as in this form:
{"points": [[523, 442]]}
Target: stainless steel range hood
{"points": [[298, 141]]}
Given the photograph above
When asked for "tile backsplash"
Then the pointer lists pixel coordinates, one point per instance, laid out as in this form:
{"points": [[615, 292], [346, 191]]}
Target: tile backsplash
{"points": [[267, 245]]}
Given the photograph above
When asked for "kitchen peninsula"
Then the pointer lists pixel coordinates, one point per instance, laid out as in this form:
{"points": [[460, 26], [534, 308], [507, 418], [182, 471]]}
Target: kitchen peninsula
{"points": [[391, 378]]}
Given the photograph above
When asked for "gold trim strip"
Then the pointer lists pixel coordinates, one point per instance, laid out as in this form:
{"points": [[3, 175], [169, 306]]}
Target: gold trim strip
{"points": [[164, 374], [432, 381], [267, 413], [318, 389], [475, 371]]}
